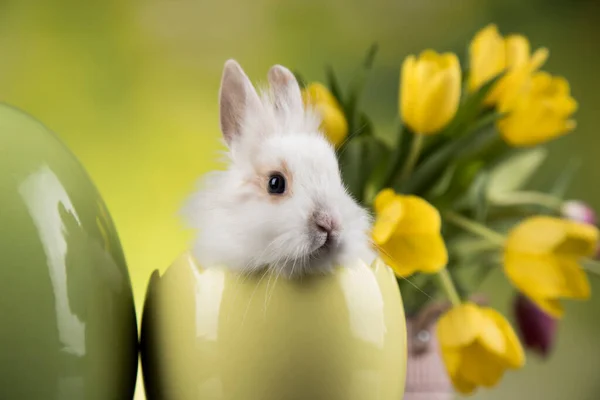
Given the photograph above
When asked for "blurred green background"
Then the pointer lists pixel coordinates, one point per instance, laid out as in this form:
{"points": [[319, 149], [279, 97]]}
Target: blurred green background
{"points": [[131, 87]]}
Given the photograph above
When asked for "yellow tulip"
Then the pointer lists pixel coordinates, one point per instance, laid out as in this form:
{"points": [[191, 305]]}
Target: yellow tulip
{"points": [[407, 231], [541, 258], [333, 120], [478, 345], [430, 91], [491, 54], [540, 113], [487, 56]]}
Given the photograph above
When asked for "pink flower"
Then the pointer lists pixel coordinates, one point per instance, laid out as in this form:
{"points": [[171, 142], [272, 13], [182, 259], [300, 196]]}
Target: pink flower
{"points": [[578, 211]]}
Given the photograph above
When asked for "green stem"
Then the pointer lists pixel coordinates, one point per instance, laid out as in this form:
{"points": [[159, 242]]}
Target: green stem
{"points": [[449, 288], [478, 246], [413, 156], [474, 227], [529, 198]]}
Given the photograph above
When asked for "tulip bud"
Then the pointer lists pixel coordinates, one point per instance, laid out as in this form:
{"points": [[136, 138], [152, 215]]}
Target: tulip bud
{"points": [[578, 211], [333, 122], [430, 91], [537, 329], [490, 54]]}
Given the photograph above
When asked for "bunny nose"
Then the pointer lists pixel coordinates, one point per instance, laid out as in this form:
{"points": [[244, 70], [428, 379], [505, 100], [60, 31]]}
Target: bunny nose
{"points": [[325, 223]]}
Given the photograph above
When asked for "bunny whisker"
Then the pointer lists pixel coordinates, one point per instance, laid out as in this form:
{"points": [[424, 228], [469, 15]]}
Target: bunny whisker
{"points": [[350, 136], [265, 273]]}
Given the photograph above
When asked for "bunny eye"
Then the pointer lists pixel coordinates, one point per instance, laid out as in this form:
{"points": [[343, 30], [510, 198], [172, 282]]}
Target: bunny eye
{"points": [[276, 184]]}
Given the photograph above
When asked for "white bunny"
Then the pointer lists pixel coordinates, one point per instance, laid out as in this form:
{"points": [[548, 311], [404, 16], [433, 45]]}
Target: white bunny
{"points": [[281, 203]]}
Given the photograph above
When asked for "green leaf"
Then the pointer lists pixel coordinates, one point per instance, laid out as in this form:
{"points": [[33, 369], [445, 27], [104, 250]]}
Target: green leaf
{"points": [[464, 191], [478, 196], [403, 144], [563, 182], [350, 158], [376, 179], [471, 193], [471, 108], [357, 86], [358, 160], [433, 144], [469, 145], [445, 182], [300, 79], [333, 84], [480, 140], [515, 172], [365, 126], [370, 57]]}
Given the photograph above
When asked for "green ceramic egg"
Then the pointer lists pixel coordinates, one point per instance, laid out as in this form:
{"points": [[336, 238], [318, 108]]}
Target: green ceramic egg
{"points": [[67, 317], [211, 334]]}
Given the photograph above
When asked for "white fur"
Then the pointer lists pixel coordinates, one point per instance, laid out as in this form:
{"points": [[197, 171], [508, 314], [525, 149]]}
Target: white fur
{"points": [[242, 230]]}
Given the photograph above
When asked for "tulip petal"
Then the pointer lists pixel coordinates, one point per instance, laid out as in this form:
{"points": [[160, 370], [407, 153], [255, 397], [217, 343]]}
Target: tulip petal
{"points": [[409, 88], [460, 326], [430, 91], [420, 217], [537, 276], [400, 269], [452, 360], [491, 336], [576, 283], [540, 81], [431, 57], [333, 119], [545, 279], [486, 56], [383, 198], [480, 366], [407, 234], [477, 346], [425, 74], [333, 124], [387, 221], [416, 252], [513, 351], [440, 97], [316, 93], [541, 257], [539, 58], [517, 51], [541, 109], [550, 306], [581, 240], [537, 235], [462, 385]]}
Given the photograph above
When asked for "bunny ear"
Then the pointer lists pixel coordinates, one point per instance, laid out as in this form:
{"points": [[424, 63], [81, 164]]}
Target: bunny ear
{"points": [[236, 96], [285, 88]]}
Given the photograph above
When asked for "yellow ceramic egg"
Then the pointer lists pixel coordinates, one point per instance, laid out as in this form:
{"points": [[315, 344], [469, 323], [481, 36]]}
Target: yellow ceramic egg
{"points": [[212, 334]]}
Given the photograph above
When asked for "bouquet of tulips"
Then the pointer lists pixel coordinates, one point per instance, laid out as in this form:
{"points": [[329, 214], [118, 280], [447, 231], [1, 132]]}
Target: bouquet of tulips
{"points": [[451, 199]]}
